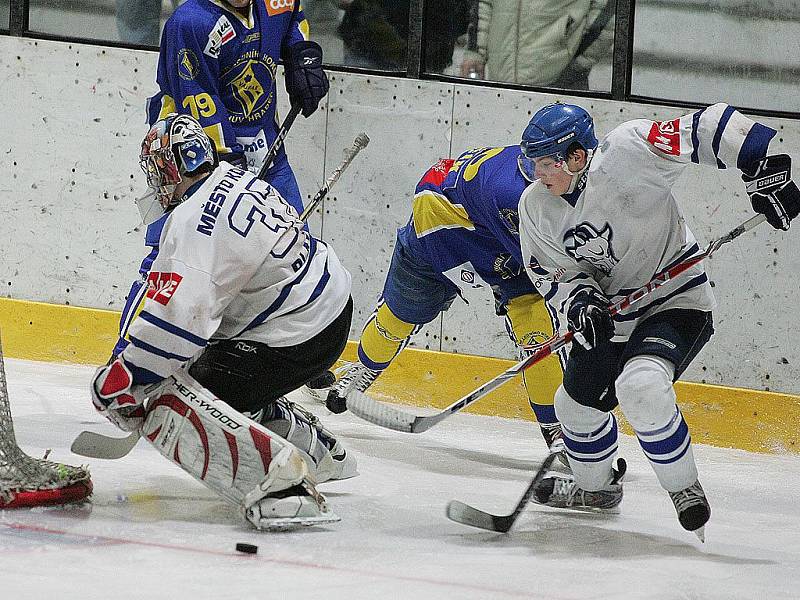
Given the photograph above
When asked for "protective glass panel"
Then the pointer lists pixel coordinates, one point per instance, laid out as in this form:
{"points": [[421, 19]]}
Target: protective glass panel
{"points": [[540, 43], [372, 34], [746, 53], [5, 13], [128, 21]]}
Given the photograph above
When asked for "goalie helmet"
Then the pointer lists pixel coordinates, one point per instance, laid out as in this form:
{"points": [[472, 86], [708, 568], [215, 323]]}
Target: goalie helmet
{"points": [[175, 145]]}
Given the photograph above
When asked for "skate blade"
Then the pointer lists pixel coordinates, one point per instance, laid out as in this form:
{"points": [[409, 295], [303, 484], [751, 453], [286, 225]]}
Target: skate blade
{"points": [[295, 522], [701, 533]]}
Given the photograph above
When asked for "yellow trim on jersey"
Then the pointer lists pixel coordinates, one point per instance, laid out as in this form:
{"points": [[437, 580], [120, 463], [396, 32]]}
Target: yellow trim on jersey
{"points": [[303, 27], [432, 212], [217, 136], [167, 106], [246, 21]]}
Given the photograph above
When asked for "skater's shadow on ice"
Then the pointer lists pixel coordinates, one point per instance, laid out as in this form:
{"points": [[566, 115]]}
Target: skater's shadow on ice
{"points": [[570, 538]]}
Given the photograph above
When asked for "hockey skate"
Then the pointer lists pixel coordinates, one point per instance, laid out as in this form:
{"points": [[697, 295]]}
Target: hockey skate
{"points": [[324, 454], [562, 491], [692, 508], [355, 376], [317, 389], [554, 438], [298, 505]]}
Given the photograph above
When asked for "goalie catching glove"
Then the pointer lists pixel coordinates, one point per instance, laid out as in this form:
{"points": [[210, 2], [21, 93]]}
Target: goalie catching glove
{"points": [[772, 192], [116, 398], [589, 319]]}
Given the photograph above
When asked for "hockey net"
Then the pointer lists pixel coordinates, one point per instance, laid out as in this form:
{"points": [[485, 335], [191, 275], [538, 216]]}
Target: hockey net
{"points": [[27, 481]]}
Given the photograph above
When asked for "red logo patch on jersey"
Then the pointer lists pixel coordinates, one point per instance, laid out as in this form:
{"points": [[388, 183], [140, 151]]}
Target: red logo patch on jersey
{"points": [[666, 136], [161, 286], [276, 7], [438, 172]]}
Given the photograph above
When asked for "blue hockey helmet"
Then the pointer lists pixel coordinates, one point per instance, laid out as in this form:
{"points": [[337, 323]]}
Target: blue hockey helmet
{"points": [[175, 145], [554, 128]]}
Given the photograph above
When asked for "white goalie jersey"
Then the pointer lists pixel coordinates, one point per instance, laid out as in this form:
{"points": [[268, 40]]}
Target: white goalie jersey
{"points": [[622, 225], [233, 262]]}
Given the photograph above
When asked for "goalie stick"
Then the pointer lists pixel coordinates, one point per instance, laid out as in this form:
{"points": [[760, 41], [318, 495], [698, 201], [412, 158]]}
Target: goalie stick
{"points": [[97, 445], [387, 416]]}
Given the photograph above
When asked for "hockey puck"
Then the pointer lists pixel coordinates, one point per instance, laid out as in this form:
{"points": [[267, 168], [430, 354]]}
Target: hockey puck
{"points": [[246, 548]]}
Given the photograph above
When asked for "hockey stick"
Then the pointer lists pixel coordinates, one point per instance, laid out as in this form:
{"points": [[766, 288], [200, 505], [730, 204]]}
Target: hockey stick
{"points": [[468, 515], [392, 418], [276, 145], [96, 445]]}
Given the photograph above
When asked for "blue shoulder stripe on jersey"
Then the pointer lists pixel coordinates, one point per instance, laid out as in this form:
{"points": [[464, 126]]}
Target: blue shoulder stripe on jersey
{"points": [[142, 345], [755, 145], [322, 283], [723, 123], [173, 329], [695, 138], [692, 283], [153, 233], [142, 376], [278, 302]]}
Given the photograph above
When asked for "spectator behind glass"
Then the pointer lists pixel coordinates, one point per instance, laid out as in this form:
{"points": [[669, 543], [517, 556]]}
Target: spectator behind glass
{"points": [[375, 32], [139, 21], [538, 42]]}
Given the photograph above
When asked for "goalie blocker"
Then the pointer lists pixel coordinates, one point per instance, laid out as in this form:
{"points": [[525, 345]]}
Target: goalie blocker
{"points": [[252, 468]]}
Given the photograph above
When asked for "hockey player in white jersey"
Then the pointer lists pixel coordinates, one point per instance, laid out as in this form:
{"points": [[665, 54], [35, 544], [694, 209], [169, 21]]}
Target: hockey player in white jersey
{"points": [[599, 223], [239, 306]]}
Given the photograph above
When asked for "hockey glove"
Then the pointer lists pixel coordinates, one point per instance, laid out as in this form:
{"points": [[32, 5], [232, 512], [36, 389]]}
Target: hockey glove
{"points": [[237, 159], [306, 82], [589, 319], [772, 192], [116, 398]]}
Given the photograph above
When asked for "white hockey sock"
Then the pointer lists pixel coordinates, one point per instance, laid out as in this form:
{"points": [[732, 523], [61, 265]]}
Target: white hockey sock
{"points": [[647, 398], [590, 436]]}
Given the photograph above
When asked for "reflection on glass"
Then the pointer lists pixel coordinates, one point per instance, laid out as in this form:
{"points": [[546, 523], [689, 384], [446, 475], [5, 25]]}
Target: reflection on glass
{"points": [[130, 21], [374, 33], [746, 53], [543, 43], [446, 25], [5, 14]]}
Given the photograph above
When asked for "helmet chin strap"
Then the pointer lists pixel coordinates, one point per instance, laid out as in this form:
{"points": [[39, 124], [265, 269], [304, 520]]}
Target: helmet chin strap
{"points": [[576, 176]]}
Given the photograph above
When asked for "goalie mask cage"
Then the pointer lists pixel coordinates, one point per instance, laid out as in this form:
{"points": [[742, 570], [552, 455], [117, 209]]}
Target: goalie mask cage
{"points": [[27, 481]]}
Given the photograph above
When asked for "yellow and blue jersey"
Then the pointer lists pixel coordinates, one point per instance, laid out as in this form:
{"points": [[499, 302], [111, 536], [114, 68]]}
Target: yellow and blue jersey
{"points": [[464, 220], [219, 65]]}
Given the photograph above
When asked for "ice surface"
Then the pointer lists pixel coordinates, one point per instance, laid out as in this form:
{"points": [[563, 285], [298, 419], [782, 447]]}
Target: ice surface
{"points": [[151, 531]]}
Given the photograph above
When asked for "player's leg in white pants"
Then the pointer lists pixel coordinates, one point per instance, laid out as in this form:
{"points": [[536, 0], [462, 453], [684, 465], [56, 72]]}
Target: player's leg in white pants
{"points": [[590, 436], [647, 399]]}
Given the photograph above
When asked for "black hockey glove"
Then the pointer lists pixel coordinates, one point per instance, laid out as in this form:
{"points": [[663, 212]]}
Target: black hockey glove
{"points": [[306, 82], [237, 159], [589, 319], [772, 192]]}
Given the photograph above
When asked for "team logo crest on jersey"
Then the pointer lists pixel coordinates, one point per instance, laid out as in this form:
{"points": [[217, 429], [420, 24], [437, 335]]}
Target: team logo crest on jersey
{"points": [[222, 33], [251, 83], [162, 286], [187, 64], [585, 243], [277, 7], [666, 136]]}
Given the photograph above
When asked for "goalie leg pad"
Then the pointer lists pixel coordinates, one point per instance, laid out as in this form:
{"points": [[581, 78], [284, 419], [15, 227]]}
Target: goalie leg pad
{"points": [[232, 455]]}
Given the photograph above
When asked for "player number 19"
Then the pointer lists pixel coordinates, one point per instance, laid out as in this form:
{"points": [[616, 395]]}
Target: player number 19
{"points": [[200, 105]]}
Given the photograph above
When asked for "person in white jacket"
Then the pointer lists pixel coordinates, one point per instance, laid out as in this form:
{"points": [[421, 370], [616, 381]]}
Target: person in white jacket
{"points": [[599, 223]]}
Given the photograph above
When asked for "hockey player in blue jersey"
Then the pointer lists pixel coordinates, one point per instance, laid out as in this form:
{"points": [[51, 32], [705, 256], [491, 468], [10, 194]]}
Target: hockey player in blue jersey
{"points": [[463, 233], [237, 302], [599, 223], [218, 63]]}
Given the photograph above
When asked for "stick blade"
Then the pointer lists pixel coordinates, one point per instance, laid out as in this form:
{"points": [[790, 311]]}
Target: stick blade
{"points": [[467, 515], [379, 413], [96, 445]]}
